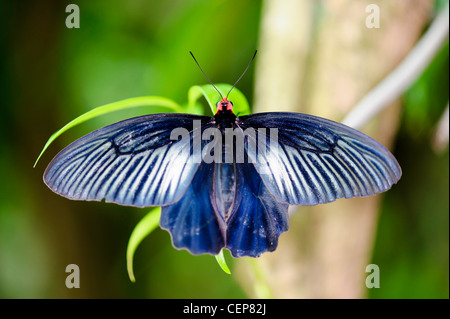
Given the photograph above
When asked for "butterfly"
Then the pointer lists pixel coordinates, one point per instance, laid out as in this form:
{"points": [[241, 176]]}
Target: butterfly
{"points": [[228, 201]]}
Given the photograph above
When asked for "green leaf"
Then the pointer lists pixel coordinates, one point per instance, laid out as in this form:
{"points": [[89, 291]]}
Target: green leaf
{"points": [[240, 103], [196, 91], [222, 263], [196, 108], [111, 107], [145, 226]]}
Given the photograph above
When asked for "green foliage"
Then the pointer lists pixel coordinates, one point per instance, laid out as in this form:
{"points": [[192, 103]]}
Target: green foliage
{"points": [[142, 230], [240, 104], [222, 263], [427, 98], [412, 246]]}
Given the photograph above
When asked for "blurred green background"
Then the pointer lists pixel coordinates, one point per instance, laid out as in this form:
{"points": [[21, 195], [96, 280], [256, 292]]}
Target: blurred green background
{"points": [[50, 74]]}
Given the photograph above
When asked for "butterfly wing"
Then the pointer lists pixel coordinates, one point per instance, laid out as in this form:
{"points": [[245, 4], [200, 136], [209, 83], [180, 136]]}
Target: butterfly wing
{"points": [[313, 160], [194, 222], [257, 219], [134, 162]]}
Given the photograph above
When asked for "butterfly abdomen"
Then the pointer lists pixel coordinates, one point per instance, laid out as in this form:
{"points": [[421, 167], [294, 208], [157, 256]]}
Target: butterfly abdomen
{"points": [[224, 185]]}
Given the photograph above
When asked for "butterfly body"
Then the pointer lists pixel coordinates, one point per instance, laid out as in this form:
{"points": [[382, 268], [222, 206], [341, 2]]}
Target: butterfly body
{"points": [[224, 188], [224, 177]]}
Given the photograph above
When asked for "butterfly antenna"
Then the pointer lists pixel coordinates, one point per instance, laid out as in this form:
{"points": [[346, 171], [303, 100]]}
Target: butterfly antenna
{"points": [[205, 74], [243, 73]]}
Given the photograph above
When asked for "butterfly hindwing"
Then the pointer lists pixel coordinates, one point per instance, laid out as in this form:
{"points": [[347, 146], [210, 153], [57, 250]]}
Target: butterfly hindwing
{"points": [[193, 221], [253, 227], [133, 162], [314, 160], [257, 219]]}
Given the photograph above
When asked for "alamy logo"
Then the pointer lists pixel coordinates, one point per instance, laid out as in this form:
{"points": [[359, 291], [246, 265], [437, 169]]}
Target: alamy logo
{"points": [[373, 279], [73, 279], [73, 19], [227, 145], [373, 19]]}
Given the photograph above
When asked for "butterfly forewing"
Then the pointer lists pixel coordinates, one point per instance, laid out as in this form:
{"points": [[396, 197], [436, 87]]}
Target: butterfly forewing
{"points": [[317, 160], [134, 162]]}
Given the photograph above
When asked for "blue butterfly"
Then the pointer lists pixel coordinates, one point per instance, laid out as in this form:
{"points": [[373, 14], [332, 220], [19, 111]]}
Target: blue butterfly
{"points": [[233, 204]]}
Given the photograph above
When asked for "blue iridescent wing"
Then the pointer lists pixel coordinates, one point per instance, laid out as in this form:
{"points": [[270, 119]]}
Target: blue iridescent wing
{"points": [[314, 160], [193, 221], [196, 223], [258, 218], [133, 162]]}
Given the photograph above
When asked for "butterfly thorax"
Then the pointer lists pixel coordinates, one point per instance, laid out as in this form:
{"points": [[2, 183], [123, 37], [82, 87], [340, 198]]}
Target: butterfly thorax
{"points": [[224, 117]]}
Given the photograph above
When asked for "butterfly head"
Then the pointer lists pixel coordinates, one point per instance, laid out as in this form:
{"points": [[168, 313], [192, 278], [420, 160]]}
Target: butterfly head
{"points": [[224, 105]]}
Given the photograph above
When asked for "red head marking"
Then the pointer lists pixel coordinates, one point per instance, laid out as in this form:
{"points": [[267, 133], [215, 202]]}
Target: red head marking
{"points": [[224, 105]]}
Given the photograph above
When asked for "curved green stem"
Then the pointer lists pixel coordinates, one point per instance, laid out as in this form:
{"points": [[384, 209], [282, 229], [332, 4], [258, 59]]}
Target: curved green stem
{"points": [[145, 226], [111, 107]]}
